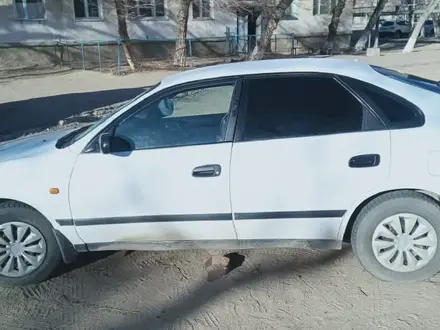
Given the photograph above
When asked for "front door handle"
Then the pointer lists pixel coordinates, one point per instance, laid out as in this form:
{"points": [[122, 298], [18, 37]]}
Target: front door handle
{"points": [[205, 171], [369, 160]]}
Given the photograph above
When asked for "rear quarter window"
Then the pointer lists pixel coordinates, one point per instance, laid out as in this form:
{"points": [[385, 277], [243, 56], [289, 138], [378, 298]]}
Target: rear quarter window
{"points": [[396, 112]]}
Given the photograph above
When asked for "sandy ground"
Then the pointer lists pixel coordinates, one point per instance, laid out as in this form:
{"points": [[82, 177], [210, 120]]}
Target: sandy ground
{"points": [[273, 289]]}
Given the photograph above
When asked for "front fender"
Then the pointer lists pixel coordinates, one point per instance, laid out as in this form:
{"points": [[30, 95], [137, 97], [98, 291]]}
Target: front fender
{"points": [[29, 180]]}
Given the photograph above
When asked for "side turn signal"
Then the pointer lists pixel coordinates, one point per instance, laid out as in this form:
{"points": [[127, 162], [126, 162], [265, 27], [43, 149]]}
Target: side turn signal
{"points": [[54, 191]]}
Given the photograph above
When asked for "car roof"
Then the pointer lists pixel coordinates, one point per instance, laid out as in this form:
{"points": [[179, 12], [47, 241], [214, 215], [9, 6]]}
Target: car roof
{"points": [[352, 68]]}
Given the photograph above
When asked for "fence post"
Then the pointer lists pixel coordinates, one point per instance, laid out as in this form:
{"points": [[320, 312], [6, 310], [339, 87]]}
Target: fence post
{"points": [[293, 46], [83, 56], [60, 48], [190, 51], [236, 43], [99, 56], [227, 52], [275, 50], [119, 55]]}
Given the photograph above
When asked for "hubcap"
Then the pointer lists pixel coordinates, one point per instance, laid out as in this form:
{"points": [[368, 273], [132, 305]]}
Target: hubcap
{"points": [[404, 242], [22, 249]]}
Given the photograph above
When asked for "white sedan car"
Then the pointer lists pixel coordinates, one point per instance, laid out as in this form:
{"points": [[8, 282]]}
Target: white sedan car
{"points": [[276, 153]]}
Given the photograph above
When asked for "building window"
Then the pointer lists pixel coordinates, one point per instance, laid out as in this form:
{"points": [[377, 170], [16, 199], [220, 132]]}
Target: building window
{"points": [[289, 13], [323, 7], [86, 9], [29, 9], [202, 9], [146, 8]]}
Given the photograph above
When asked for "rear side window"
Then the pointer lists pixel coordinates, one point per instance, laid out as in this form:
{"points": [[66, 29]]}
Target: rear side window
{"points": [[395, 110], [388, 23], [298, 106]]}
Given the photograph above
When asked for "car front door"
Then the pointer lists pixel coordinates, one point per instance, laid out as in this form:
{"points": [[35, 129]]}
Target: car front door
{"points": [[302, 157], [166, 179]]}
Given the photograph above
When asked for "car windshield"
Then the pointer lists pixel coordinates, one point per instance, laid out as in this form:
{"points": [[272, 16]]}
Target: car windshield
{"points": [[427, 84], [78, 134]]}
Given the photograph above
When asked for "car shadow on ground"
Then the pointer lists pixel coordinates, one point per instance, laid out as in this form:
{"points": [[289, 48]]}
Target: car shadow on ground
{"points": [[91, 285], [48, 111], [205, 292], [83, 260]]}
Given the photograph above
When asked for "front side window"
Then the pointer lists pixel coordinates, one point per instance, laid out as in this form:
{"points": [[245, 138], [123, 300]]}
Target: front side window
{"points": [[201, 9], [146, 8], [299, 106], [398, 112], [86, 9], [191, 117], [29, 9]]}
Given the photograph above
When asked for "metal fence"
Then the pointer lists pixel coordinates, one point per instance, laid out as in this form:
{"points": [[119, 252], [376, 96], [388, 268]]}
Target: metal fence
{"points": [[148, 52], [110, 54]]}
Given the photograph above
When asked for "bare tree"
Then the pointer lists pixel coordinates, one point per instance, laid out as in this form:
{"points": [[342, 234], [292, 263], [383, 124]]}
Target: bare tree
{"points": [[182, 31], [133, 10], [360, 44], [120, 6], [271, 12], [409, 47], [334, 23], [271, 15]]}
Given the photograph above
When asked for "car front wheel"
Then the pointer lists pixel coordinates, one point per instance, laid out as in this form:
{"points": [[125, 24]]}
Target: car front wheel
{"points": [[396, 235], [29, 252]]}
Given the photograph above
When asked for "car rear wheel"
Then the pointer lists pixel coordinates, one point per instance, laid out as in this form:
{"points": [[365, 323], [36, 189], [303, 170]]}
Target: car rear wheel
{"points": [[396, 236], [29, 252]]}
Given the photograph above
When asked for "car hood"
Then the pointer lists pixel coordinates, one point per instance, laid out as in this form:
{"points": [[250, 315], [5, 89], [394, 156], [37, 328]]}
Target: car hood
{"points": [[32, 146]]}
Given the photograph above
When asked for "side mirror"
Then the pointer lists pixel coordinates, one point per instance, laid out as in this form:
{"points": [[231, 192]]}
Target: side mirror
{"points": [[105, 143]]}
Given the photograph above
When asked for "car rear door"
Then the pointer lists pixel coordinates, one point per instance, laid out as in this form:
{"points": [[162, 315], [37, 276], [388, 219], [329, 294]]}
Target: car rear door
{"points": [[305, 150], [171, 189]]}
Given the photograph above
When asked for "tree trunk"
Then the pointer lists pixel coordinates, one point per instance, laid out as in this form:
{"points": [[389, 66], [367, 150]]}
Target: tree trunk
{"points": [[182, 23], [416, 32], [334, 23], [123, 32], [360, 44], [273, 17]]}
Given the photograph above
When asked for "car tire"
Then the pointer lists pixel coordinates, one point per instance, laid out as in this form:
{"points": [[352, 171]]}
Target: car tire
{"points": [[373, 230], [33, 254]]}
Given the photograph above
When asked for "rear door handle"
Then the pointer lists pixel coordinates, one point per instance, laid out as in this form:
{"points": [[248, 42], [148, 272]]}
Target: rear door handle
{"points": [[205, 171], [369, 160]]}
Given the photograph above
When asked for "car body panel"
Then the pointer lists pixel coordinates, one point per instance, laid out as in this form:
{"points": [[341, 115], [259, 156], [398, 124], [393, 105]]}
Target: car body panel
{"points": [[151, 195], [306, 178], [32, 146], [29, 179]]}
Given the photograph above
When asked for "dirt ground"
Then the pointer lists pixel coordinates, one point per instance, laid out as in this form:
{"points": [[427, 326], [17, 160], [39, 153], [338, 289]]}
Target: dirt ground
{"points": [[273, 289]]}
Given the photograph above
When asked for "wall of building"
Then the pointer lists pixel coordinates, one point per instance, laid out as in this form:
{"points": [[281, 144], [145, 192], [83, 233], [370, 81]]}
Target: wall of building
{"points": [[364, 8], [60, 23], [303, 23]]}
